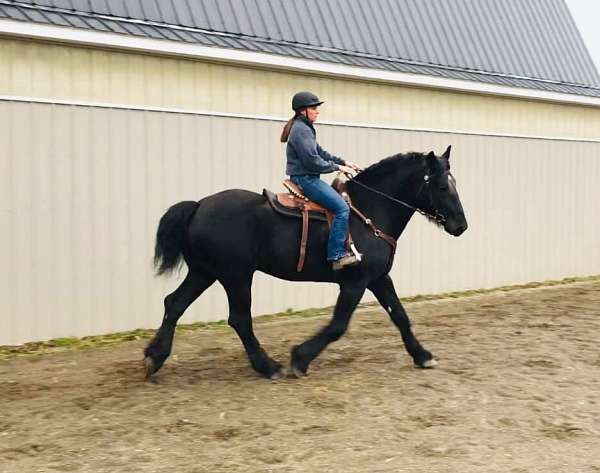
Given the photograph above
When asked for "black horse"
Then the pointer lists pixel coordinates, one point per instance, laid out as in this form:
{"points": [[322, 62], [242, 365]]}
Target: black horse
{"points": [[230, 235]]}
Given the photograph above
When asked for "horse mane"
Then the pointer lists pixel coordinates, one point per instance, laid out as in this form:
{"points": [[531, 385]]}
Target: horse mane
{"points": [[377, 169]]}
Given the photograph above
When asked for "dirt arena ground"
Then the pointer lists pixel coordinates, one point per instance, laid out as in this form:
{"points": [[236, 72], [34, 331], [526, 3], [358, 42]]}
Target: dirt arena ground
{"points": [[517, 389]]}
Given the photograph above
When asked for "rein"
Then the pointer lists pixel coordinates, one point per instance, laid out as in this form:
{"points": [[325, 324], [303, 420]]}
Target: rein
{"points": [[438, 217]]}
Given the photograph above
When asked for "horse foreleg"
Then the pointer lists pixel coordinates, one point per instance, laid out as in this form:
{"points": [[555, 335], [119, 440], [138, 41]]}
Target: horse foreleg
{"points": [[159, 349], [384, 291], [305, 353], [240, 319]]}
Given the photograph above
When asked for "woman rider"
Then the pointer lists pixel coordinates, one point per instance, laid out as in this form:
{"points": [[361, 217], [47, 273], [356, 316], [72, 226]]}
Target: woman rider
{"points": [[306, 160]]}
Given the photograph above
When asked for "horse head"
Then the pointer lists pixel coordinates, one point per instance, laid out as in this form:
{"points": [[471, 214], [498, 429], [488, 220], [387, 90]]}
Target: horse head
{"points": [[438, 197]]}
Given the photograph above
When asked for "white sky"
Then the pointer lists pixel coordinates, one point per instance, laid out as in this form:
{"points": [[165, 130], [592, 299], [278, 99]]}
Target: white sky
{"points": [[586, 14]]}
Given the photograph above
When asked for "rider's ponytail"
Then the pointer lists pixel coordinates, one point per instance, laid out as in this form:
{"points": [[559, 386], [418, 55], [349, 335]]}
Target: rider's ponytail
{"points": [[285, 133]]}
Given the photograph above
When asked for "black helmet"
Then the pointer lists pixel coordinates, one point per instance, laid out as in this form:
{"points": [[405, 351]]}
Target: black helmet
{"points": [[304, 99]]}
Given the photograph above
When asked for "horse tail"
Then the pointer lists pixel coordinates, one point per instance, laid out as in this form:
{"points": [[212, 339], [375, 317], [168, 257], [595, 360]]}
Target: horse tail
{"points": [[171, 239]]}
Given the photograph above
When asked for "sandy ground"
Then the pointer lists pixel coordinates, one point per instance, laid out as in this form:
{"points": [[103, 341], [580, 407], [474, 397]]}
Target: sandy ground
{"points": [[517, 390]]}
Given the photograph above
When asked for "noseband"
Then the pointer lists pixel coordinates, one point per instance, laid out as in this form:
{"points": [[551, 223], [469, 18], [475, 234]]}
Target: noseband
{"points": [[438, 217]]}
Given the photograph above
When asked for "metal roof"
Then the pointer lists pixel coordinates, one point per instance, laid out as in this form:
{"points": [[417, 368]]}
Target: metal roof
{"points": [[522, 43]]}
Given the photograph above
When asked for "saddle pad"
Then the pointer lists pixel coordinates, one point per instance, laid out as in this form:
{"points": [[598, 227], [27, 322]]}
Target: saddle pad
{"points": [[288, 211]]}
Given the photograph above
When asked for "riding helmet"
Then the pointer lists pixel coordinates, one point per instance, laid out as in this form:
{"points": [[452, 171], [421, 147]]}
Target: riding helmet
{"points": [[304, 99]]}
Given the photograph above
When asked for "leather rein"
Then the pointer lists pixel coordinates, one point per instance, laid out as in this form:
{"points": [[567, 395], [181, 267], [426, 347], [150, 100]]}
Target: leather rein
{"points": [[438, 217]]}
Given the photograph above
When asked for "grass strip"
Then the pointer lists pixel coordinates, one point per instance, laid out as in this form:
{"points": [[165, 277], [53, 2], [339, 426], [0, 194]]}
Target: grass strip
{"points": [[97, 341]]}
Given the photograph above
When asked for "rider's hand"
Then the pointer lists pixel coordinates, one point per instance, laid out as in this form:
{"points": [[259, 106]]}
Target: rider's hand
{"points": [[354, 166], [347, 170]]}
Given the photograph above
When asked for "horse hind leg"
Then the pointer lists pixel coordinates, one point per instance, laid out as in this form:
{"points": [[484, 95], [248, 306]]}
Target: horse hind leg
{"points": [[176, 303], [240, 319]]}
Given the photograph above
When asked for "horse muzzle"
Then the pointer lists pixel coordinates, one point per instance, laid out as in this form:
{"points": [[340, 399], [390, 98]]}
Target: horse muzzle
{"points": [[456, 228]]}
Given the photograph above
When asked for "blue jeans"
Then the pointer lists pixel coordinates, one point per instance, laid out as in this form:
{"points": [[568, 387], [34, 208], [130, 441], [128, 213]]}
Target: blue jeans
{"points": [[323, 194]]}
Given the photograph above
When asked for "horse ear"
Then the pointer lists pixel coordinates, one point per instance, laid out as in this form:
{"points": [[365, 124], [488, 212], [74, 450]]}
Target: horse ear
{"points": [[447, 152], [431, 162]]}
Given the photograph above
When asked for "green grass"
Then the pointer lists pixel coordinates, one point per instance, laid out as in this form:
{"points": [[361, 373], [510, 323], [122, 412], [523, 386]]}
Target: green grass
{"points": [[96, 341]]}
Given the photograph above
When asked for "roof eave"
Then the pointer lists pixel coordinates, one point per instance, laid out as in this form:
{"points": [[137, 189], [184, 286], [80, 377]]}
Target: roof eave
{"points": [[273, 61]]}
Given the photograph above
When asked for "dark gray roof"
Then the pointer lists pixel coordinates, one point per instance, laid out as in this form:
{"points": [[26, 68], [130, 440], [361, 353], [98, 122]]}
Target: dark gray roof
{"points": [[523, 43]]}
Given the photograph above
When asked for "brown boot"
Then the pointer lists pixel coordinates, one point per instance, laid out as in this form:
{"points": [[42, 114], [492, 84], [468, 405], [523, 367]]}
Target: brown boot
{"points": [[345, 261]]}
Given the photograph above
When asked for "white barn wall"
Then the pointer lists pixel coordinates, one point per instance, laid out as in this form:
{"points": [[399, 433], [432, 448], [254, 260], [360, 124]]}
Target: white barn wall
{"points": [[82, 190]]}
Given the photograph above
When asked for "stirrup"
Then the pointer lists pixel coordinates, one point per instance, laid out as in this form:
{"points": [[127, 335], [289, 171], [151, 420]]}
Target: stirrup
{"points": [[346, 261]]}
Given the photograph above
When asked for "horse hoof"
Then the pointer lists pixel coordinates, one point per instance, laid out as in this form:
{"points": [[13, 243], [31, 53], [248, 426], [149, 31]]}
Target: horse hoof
{"points": [[427, 364], [279, 374], [297, 372], [149, 366]]}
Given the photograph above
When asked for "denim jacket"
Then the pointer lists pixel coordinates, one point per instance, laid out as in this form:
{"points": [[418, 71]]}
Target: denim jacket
{"points": [[304, 155]]}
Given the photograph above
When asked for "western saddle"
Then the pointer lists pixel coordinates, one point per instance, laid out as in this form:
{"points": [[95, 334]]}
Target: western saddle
{"points": [[295, 204]]}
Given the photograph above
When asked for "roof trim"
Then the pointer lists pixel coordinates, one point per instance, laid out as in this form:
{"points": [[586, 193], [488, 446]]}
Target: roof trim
{"points": [[273, 61]]}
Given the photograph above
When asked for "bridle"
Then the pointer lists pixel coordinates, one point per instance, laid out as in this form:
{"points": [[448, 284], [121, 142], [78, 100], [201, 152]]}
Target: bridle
{"points": [[437, 217]]}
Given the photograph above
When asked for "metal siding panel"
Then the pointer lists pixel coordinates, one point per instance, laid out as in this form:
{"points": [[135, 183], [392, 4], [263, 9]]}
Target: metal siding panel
{"points": [[111, 196], [494, 43], [242, 20], [95, 24], [99, 6], [269, 21], [61, 176], [281, 19], [532, 42], [167, 12], [421, 51], [118, 207], [183, 13], [100, 75], [303, 31], [474, 39], [34, 15], [382, 17], [321, 35], [14, 13], [7, 214], [570, 49], [455, 34], [22, 228], [150, 10], [334, 25], [228, 15], [17, 73], [82, 224], [81, 78], [580, 50], [102, 251], [361, 37], [213, 14], [141, 231], [517, 43], [134, 10], [117, 8], [379, 45]]}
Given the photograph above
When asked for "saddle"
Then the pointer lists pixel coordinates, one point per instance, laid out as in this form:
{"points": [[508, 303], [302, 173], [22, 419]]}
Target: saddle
{"points": [[295, 204]]}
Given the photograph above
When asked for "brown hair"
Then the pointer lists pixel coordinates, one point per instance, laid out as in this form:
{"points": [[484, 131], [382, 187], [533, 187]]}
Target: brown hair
{"points": [[287, 128]]}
